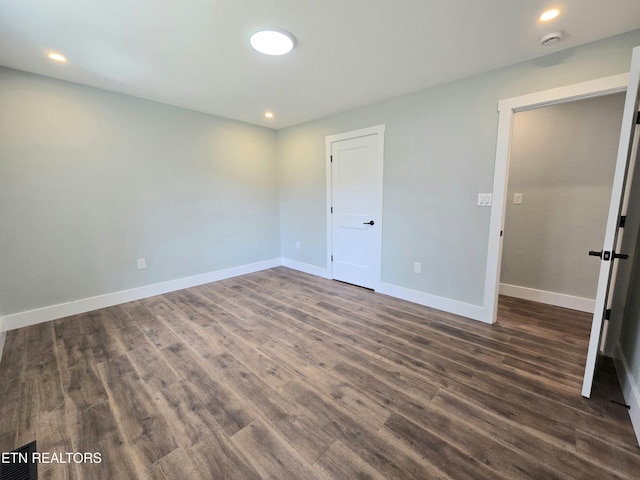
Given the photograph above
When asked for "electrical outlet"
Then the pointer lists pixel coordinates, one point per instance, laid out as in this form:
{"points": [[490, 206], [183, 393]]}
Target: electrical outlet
{"points": [[517, 199], [142, 264], [417, 267]]}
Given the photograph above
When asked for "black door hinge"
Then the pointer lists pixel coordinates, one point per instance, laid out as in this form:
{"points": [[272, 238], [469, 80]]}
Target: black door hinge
{"points": [[623, 220], [607, 314], [331, 209], [331, 158], [332, 258]]}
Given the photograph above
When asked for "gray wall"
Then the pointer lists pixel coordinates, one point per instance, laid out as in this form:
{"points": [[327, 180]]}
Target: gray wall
{"points": [[630, 337], [562, 161], [91, 180], [439, 154]]}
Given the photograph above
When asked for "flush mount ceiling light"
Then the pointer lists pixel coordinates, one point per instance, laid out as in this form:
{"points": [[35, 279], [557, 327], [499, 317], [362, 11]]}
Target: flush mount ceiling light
{"points": [[272, 41], [549, 15], [57, 57], [268, 114]]}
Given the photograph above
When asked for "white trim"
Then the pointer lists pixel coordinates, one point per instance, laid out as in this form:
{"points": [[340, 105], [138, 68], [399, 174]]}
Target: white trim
{"points": [[468, 310], [3, 337], [32, 317], [630, 390], [329, 198], [363, 132], [569, 93], [550, 298], [306, 268], [507, 109]]}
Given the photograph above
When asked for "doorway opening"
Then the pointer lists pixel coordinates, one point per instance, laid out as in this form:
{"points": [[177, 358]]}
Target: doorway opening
{"points": [[621, 188], [561, 169], [508, 109]]}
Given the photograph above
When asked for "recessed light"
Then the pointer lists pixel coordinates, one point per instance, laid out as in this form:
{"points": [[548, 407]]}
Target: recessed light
{"points": [[549, 15], [57, 57], [268, 114], [273, 41]]}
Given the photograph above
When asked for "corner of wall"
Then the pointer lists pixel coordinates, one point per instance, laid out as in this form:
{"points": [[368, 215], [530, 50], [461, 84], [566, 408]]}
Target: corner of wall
{"points": [[306, 268], [52, 312]]}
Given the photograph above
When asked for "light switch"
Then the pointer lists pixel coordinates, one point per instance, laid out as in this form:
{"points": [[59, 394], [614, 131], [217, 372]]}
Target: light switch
{"points": [[484, 199], [517, 199]]}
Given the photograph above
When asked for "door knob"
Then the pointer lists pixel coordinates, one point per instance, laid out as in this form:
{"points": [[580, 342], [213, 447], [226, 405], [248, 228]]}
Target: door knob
{"points": [[369, 223], [608, 255], [621, 256]]}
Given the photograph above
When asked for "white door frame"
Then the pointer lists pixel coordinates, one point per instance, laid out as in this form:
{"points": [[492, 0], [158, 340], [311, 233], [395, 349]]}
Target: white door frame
{"points": [[363, 132], [507, 109]]}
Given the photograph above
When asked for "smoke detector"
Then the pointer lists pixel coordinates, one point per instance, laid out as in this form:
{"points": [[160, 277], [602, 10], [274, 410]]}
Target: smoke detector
{"points": [[551, 39]]}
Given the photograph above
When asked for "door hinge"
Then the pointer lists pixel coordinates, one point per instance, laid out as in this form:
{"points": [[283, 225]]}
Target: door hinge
{"points": [[638, 119], [332, 258], [623, 220], [331, 159], [607, 314], [331, 209]]}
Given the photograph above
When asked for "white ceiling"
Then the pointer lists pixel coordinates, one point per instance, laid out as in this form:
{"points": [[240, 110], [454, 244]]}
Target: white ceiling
{"points": [[196, 53]]}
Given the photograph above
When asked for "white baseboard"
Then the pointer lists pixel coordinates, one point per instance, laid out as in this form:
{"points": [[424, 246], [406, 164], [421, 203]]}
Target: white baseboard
{"points": [[630, 390], [53, 312], [306, 268], [550, 298], [440, 303], [468, 310], [3, 337], [32, 317]]}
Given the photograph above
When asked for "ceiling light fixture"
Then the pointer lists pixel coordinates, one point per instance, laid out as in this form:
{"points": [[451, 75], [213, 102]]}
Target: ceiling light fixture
{"points": [[268, 114], [57, 57], [549, 15], [272, 41]]}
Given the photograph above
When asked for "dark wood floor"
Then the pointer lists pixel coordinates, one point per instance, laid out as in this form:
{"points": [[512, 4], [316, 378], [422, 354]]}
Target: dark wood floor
{"points": [[282, 375]]}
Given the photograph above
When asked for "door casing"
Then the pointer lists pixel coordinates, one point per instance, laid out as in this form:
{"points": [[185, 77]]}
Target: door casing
{"points": [[507, 109], [377, 130]]}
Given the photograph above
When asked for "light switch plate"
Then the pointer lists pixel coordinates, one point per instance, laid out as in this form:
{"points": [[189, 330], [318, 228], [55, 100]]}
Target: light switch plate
{"points": [[484, 199]]}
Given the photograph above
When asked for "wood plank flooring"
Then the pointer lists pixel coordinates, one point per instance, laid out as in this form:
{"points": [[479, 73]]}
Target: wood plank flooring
{"points": [[281, 375]]}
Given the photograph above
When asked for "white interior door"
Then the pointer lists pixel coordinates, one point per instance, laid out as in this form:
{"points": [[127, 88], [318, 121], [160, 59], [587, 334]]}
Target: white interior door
{"points": [[613, 234], [356, 206]]}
